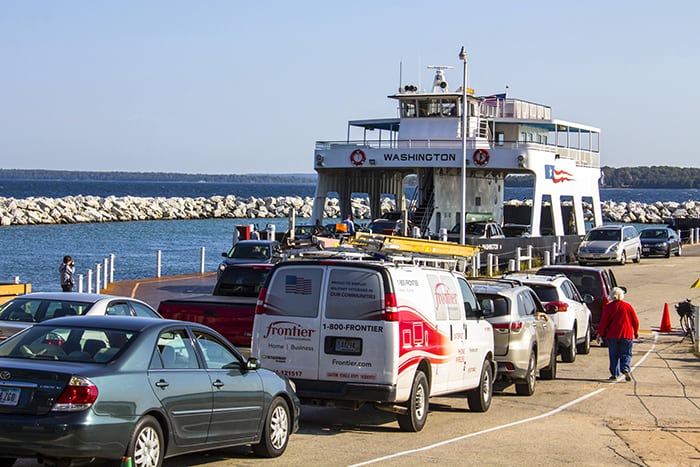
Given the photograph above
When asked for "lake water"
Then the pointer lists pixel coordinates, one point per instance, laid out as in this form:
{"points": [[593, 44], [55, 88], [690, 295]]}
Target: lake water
{"points": [[34, 252]]}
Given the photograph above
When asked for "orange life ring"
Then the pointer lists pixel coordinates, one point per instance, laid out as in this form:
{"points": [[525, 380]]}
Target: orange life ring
{"points": [[358, 157], [481, 157]]}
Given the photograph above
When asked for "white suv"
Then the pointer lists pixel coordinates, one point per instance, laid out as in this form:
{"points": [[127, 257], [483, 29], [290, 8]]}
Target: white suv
{"points": [[573, 316], [610, 243]]}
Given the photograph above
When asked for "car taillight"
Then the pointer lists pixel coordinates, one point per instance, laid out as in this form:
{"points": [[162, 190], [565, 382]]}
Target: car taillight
{"points": [[79, 394], [516, 326], [560, 306], [260, 304], [391, 310]]}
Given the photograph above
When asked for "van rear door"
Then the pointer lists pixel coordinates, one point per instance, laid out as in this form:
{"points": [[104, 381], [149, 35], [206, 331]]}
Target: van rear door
{"points": [[286, 331], [357, 343]]}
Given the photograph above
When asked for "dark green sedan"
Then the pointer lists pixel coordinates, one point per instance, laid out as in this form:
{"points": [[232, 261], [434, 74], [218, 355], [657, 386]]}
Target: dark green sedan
{"points": [[77, 388]]}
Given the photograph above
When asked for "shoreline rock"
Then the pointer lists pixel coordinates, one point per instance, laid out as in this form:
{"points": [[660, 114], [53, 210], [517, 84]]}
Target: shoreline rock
{"points": [[92, 209]]}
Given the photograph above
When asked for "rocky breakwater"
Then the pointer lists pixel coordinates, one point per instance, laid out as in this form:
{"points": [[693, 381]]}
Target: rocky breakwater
{"points": [[77, 209]]}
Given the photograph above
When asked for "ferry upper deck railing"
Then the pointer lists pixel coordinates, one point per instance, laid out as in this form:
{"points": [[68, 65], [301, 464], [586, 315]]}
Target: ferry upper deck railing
{"points": [[583, 157]]}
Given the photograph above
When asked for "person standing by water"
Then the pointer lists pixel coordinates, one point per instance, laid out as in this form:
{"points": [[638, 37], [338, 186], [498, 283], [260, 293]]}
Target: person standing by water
{"points": [[619, 325], [67, 269]]}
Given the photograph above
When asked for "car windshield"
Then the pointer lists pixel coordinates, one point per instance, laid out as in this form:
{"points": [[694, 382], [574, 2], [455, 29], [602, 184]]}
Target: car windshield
{"points": [[250, 251], [68, 344], [471, 228], [654, 233], [607, 235], [36, 310]]}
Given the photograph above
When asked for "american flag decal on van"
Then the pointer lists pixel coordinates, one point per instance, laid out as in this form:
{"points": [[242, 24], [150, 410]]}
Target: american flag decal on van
{"points": [[297, 285]]}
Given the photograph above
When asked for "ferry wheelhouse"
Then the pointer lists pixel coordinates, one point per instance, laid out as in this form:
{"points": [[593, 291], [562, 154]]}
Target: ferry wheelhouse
{"points": [[455, 144]]}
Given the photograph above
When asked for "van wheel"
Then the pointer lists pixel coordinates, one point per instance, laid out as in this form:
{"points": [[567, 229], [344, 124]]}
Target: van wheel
{"points": [[479, 398], [623, 258], [638, 257], [680, 250], [568, 354], [550, 371], [584, 348], [417, 405], [527, 387]]}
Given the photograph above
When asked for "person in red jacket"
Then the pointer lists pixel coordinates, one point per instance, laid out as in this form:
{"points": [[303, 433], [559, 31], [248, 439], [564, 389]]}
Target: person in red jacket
{"points": [[619, 325]]}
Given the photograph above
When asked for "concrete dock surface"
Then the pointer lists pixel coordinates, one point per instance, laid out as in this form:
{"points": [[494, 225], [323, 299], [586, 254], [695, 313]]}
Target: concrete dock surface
{"points": [[579, 418]]}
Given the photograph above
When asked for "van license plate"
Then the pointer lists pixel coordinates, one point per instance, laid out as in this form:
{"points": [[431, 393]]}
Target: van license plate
{"points": [[9, 396], [343, 345]]}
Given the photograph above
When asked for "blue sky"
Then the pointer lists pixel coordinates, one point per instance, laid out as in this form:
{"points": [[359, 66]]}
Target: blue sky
{"points": [[248, 87]]}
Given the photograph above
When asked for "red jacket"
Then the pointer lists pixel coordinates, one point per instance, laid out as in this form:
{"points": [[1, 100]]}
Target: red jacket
{"points": [[618, 321]]}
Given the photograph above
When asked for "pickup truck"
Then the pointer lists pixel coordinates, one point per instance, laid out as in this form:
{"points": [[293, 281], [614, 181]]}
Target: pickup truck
{"points": [[230, 308], [478, 229]]}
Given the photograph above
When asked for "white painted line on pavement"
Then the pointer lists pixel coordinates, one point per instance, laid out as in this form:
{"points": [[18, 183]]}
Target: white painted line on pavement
{"points": [[507, 425]]}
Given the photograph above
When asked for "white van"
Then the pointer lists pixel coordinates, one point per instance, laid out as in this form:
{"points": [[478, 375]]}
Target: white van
{"points": [[350, 332]]}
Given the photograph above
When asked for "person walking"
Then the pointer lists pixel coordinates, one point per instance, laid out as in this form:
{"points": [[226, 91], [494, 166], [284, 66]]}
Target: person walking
{"points": [[619, 325], [350, 224], [67, 269]]}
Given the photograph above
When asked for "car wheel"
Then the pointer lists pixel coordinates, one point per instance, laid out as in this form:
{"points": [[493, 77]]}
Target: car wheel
{"points": [[584, 348], [479, 398], [146, 445], [275, 434], [550, 371], [7, 461], [623, 258], [680, 250], [417, 405], [637, 256], [527, 387], [568, 354]]}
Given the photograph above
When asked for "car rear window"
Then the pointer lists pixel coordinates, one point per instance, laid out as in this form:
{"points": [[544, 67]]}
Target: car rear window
{"points": [[545, 293], [500, 304], [295, 291], [241, 282]]}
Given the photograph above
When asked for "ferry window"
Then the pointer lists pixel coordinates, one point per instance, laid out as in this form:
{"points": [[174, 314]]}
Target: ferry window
{"points": [[522, 136], [449, 108], [500, 138], [408, 109]]}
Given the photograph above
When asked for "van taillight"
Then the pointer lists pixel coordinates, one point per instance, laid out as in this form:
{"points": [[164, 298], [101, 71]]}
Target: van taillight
{"points": [[391, 310], [260, 304], [560, 306], [79, 394]]}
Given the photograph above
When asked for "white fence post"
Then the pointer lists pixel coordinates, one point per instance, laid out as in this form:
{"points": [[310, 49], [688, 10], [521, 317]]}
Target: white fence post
{"points": [[98, 278], [105, 272], [529, 257], [158, 255], [111, 267], [517, 259], [80, 283], [547, 260], [89, 281], [201, 260], [489, 264]]}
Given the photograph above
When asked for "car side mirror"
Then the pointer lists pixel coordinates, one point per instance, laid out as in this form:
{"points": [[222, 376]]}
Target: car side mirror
{"points": [[253, 364], [588, 298], [224, 254]]}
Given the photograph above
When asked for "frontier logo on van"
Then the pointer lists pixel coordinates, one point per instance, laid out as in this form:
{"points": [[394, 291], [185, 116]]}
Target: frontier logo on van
{"points": [[443, 296], [288, 329]]}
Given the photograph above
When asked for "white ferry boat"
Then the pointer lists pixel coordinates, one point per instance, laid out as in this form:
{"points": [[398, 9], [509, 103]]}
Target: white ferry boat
{"points": [[461, 156]]}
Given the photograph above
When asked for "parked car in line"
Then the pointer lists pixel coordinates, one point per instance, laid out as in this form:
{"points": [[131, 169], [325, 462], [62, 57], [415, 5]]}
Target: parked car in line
{"points": [[592, 280], [660, 241], [251, 251], [158, 388], [524, 334], [230, 308], [573, 317], [477, 229], [610, 243], [26, 310]]}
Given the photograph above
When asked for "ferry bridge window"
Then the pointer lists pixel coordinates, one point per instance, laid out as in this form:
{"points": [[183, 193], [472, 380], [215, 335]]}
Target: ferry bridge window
{"points": [[408, 109]]}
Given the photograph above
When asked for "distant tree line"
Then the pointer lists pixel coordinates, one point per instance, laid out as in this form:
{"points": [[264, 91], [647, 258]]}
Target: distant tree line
{"points": [[37, 174]]}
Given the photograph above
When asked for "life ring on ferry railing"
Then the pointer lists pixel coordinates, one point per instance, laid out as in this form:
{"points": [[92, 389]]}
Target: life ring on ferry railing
{"points": [[358, 157], [481, 157]]}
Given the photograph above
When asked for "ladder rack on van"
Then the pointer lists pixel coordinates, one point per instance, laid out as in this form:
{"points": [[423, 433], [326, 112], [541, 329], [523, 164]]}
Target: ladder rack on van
{"points": [[392, 243]]}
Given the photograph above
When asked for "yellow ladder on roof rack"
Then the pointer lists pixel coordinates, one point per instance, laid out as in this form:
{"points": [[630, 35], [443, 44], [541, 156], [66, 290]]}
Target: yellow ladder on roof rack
{"points": [[391, 243]]}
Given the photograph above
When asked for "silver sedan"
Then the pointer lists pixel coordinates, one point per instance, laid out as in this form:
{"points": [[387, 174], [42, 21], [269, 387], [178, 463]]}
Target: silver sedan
{"points": [[26, 310]]}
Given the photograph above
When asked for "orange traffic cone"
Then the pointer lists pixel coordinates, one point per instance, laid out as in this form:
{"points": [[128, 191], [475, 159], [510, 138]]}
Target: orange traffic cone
{"points": [[665, 320]]}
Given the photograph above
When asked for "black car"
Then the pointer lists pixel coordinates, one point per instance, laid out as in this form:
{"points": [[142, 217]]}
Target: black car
{"points": [[155, 388], [660, 241]]}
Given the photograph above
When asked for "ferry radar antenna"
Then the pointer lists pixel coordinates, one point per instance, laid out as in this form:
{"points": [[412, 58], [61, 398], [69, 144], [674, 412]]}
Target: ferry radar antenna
{"points": [[439, 82]]}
